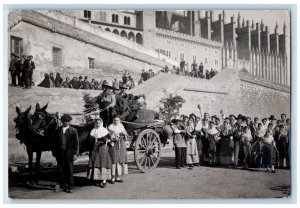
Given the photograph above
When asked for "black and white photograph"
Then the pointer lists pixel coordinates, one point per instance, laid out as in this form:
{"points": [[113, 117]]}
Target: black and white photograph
{"points": [[149, 104]]}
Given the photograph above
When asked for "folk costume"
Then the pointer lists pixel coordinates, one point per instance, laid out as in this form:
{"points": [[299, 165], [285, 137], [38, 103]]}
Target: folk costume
{"points": [[99, 166], [269, 152], [192, 156], [118, 150], [212, 137], [226, 146], [199, 134]]}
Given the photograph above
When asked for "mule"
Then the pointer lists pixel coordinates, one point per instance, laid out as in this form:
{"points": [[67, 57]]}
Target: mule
{"points": [[37, 132]]}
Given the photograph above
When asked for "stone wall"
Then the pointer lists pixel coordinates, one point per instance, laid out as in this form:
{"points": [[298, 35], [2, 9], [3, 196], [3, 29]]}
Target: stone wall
{"points": [[233, 92], [40, 33], [58, 99]]}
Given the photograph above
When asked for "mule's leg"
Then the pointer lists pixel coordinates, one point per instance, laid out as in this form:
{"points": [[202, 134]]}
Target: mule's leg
{"points": [[37, 165], [30, 156]]}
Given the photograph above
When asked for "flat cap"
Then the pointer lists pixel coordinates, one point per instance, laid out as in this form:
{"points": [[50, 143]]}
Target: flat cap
{"points": [[66, 117]]}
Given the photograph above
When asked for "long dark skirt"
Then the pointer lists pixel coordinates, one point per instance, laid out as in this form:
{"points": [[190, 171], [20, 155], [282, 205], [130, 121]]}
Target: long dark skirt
{"points": [[99, 166], [269, 155], [226, 151], [283, 147]]}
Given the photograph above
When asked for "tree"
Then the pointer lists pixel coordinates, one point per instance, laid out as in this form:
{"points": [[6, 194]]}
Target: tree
{"points": [[170, 105]]}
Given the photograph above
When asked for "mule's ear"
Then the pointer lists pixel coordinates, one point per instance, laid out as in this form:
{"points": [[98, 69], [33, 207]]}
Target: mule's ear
{"points": [[18, 111], [37, 107], [45, 107], [28, 110]]}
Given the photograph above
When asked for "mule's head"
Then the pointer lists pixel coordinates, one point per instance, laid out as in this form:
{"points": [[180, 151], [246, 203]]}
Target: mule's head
{"points": [[23, 122], [39, 119]]}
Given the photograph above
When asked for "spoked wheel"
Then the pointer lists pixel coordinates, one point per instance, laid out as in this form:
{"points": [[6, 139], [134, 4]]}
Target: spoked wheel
{"points": [[147, 150]]}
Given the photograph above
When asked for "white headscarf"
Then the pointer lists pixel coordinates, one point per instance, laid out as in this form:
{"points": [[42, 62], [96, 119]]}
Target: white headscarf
{"points": [[99, 132]]}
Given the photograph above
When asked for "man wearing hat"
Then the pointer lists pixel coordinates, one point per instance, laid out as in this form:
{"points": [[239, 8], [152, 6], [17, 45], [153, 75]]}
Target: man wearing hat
{"points": [[179, 142], [29, 66], [120, 106], [12, 68], [66, 150], [107, 101]]}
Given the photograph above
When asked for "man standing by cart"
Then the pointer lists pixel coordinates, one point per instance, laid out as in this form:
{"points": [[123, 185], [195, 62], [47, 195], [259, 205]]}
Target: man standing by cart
{"points": [[65, 150]]}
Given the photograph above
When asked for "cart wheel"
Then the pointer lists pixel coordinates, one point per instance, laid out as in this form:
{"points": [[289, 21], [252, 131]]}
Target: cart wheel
{"points": [[147, 150]]}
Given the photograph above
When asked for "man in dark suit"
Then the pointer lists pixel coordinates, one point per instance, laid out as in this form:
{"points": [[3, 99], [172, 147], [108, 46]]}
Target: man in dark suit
{"points": [[66, 150], [12, 68], [28, 70]]}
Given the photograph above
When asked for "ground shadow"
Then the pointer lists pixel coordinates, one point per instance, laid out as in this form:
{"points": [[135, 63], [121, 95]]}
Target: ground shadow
{"points": [[285, 190]]}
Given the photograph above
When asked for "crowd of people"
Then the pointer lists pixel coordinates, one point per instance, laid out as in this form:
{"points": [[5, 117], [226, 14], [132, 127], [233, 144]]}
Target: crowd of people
{"points": [[194, 71], [232, 141], [21, 70], [80, 83]]}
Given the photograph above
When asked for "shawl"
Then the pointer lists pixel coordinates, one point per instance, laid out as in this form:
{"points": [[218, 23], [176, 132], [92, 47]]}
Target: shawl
{"points": [[260, 133], [212, 131], [119, 128], [269, 139], [198, 126], [99, 132]]}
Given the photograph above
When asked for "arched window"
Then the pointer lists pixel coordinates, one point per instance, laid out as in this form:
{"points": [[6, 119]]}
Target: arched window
{"points": [[125, 20], [139, 38], [128, 20], [117, 18], [113, 18], [115, 31]]}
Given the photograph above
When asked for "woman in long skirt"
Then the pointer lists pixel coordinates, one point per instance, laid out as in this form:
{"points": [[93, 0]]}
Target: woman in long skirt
{"points": [[118, 151], [99, 166], [269, 152], [199, 134], [192, 157], [212, 137], [226, 145]]}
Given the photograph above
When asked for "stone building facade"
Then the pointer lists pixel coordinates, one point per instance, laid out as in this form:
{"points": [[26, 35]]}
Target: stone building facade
{"points": [[199, 36], [169, 36]]}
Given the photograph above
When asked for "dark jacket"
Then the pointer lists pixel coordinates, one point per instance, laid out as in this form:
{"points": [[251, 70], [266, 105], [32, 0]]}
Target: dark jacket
{"points": [[66, 145], [28, 66]]}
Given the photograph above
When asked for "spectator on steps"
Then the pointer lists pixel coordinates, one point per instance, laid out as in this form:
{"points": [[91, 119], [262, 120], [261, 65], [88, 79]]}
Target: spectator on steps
{"points": [[86, 83], [144, 75], [75, 84], [124, 77], [52, 80], [207, 74], [58, 80], [92, 84], [66, 83], [46, 82], [140, 81], [212, 73], [151, 73], [81, 82]]}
